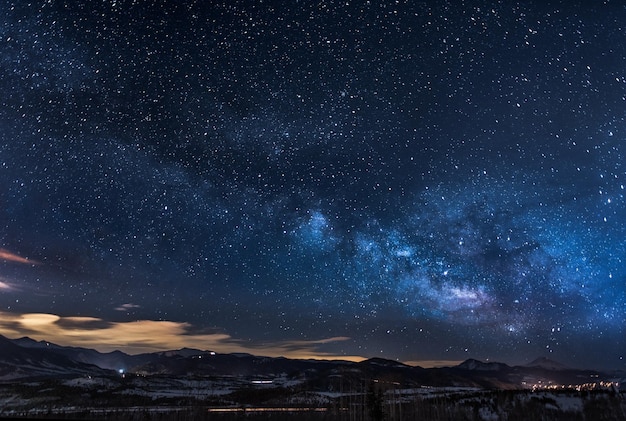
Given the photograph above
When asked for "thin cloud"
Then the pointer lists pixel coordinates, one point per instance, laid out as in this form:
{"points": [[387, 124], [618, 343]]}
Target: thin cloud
{"points": [[127, 307], [4, 286], [151, 336], [12, 257]]}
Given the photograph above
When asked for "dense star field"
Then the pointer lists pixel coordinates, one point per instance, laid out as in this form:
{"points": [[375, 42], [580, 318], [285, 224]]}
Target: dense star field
{"points": [[422, 181]]}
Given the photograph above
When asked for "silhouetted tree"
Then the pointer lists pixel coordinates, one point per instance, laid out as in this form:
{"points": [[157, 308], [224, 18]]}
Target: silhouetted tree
{"points": [[375, 403]]}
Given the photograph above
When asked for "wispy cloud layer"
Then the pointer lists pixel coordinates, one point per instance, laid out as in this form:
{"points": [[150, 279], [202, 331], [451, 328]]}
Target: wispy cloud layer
{"points": [[149, 336], [12, 257], [127, 307], [4, 286]]}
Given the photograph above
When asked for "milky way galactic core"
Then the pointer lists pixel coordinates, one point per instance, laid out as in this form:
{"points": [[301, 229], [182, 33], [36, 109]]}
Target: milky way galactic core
{"points": [[420, 181]]}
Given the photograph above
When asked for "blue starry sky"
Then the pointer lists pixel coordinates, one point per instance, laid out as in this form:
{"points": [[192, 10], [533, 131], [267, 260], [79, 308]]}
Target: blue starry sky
{"points": [[422, 181]]}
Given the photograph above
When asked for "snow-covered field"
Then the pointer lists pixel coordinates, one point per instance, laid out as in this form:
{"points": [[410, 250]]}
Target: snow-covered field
{"points": [[162, 396]]}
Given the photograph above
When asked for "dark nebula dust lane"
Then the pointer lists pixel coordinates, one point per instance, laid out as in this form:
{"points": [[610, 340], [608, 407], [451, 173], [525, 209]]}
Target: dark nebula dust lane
{"points": [[421, 181]]}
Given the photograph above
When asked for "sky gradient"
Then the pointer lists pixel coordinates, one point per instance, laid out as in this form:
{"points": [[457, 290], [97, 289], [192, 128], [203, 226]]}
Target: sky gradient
{"points": [[419, 181]]}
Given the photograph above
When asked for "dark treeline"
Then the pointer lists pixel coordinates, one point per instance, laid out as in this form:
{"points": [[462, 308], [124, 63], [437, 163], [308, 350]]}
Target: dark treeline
{"points": [[373, 405]]}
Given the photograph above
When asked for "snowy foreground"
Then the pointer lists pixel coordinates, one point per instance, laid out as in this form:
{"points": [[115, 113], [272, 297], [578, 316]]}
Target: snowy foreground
{"points": [[131, 397]]}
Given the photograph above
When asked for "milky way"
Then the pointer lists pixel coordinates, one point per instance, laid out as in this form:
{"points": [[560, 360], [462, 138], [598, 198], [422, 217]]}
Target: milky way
{"points": [[418, 181]]}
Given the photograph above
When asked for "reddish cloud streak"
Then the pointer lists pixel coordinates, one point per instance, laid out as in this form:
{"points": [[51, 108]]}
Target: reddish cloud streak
{"points": [[12, 257]]}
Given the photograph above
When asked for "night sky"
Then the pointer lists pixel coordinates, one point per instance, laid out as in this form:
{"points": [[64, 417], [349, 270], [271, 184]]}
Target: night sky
{"points": [[420, 181]]}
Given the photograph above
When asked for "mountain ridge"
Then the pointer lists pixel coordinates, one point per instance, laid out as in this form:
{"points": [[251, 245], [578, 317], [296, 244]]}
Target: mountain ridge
{"points": [[547, 363], [26, 358]]}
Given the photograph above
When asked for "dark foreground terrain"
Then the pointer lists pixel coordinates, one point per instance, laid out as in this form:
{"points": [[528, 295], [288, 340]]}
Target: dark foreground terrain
{"points": [[152, 401], [46, 381]]}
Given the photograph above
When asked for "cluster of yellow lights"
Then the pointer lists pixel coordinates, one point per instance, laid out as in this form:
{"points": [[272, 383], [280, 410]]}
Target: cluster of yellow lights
{"points": [[602, 385]]}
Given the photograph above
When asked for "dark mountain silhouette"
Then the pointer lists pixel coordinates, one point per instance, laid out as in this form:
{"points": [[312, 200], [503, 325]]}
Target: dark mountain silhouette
{"points": [[26, 358], [473, 364], [547, 363], [18, 361], [115, 360]]}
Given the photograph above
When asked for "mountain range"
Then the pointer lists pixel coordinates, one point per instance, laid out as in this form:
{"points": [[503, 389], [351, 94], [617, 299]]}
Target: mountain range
{"points": [[25, 358]]}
